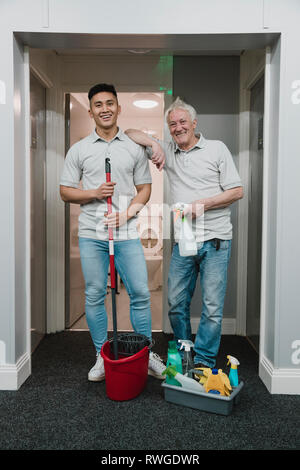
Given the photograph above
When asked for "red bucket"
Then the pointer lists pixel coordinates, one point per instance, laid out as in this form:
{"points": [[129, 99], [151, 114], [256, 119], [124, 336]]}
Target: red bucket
{"points": [[125, 377]]}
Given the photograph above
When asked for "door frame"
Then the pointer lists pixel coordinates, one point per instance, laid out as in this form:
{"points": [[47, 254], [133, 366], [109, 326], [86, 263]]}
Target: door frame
{"points": [[38, 77], [47, 84], [257, 327], [246, 83]]}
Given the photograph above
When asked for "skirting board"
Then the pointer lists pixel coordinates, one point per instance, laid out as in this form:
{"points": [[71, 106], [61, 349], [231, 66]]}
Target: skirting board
{"points": [[12, 376], [279, 381], [228, 326]]}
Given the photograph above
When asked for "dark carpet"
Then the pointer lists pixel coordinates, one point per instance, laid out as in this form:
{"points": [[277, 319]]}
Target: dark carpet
{"points": [[57, 408]]}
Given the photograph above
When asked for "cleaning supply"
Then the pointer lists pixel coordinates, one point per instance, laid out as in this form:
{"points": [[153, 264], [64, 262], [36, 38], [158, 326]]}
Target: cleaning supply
{"points": [[186, 382], [187, 243], [174, 359], [233, 374], [215, 382], [187, 362], [203, 373], [202, 376]]}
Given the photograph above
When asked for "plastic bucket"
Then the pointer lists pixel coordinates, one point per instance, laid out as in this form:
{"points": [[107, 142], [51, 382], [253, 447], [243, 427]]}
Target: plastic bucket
{"points": [[125, 377]]}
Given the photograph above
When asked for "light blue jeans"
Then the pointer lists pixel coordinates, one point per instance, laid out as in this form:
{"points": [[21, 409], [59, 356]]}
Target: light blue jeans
{"points": [[183, 274], [131, 266]]}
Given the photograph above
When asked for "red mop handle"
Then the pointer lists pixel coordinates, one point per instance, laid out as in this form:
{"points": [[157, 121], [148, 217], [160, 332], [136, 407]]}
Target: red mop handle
{"points": [[110, 230]]}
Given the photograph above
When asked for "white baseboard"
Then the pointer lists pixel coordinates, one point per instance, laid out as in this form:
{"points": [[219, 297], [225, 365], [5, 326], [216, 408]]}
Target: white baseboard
{"points": [[12, 376], [228, 326], [279, 381]]}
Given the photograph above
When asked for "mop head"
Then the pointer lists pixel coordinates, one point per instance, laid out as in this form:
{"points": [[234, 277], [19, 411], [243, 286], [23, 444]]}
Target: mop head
{"points": [[130, 343]]}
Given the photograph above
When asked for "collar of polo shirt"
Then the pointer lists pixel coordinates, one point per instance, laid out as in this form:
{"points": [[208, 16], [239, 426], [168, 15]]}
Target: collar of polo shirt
{"points": [[95, 137], [200, 144]]}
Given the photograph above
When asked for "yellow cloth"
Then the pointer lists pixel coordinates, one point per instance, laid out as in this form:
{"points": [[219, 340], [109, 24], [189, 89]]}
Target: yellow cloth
{"points": [[224, 386]]}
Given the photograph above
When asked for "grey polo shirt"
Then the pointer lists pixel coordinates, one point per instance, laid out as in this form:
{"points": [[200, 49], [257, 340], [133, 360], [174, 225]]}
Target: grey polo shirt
{"points": [[85, 163], [205, 170]]}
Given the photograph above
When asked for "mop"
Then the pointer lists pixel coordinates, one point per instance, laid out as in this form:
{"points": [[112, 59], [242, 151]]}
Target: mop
{"points": [[112, 265], [126, 344], [126, 364]]}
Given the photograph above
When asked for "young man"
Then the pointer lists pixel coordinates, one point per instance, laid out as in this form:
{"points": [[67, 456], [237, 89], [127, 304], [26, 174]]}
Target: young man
{"points": [[202, 175], [85, 162]]}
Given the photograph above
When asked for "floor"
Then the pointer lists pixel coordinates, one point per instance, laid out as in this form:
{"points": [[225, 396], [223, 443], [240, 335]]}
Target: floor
{"points": [[57, 408]]}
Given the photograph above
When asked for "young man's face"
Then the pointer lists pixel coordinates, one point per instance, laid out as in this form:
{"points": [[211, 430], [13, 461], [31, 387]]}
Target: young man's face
{"points": [[182, 128], [104, 109]]}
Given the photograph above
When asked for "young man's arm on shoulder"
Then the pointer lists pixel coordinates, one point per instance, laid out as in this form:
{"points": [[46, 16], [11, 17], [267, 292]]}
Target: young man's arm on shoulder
{"points": [[141, 138]]}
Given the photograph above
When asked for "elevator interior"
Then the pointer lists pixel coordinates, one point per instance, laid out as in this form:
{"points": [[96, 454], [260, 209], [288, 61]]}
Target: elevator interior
{"points": [[209, 122]]}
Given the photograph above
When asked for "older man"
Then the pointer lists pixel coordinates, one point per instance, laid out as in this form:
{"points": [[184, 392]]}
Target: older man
{"points": [[202, 175]]}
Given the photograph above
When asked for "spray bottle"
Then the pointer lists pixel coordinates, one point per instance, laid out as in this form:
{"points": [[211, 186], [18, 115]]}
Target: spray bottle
{"points": [[233, 374], [187, 362], [174, 359], [187, 243], [186, 382]]}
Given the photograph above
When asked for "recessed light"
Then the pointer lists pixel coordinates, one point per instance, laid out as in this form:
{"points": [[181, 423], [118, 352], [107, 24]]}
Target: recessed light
{"points": [[139, 51], [145, 104]]}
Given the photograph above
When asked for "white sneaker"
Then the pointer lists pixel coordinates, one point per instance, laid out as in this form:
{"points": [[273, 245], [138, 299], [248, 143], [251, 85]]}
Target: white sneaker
{"points": [[156, 366], [97, 373]]}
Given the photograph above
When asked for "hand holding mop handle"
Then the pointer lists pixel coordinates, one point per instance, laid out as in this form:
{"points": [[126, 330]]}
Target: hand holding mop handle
{"points": [[112, 263], [110, 230]]}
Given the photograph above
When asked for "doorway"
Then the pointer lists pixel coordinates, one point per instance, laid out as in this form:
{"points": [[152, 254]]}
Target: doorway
{"points": [[78, 126], [255, 213], [38, 210]]}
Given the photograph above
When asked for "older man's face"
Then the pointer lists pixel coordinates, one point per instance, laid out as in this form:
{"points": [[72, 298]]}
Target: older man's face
{"points": [[182, 128]]}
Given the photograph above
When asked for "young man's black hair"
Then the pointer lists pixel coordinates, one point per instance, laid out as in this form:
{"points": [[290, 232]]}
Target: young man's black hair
{"points": [[102, 87]]}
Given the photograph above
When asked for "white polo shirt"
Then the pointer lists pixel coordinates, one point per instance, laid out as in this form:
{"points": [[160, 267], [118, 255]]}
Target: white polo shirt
{"points": [[203, 171], [85, 163]]}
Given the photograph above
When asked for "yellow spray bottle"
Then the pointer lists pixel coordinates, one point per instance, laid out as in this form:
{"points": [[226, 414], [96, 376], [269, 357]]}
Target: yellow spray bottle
{"points": [[233, 374]]}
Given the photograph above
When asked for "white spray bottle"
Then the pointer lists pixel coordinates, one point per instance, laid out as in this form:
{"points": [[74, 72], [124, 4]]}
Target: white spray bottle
{"points": [[187, 243], [186, 382], [187, 363]]}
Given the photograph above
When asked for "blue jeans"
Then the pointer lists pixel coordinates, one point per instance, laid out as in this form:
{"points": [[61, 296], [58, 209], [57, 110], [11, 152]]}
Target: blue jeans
{"points": [[183, 274], [131, 266]]}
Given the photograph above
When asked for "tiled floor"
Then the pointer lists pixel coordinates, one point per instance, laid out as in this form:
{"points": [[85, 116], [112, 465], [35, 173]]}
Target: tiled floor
{"points": [[123, 320]]}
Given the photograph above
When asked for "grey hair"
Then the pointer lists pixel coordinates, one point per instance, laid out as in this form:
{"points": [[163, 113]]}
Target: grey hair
{"points": [[180, 104]]}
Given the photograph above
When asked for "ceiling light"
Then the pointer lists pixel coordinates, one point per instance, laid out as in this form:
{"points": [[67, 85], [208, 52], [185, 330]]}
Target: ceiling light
{"points": [[145, 104], [139, 51]]}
